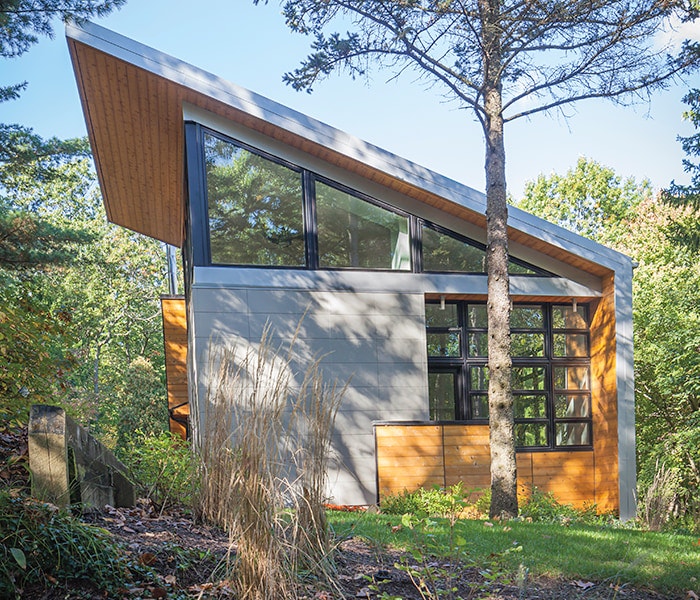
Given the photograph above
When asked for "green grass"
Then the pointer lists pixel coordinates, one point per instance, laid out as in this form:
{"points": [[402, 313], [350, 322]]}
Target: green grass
{"points": [[666, 562]]}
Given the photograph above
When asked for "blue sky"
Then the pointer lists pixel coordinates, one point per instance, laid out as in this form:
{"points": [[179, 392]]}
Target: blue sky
{"points": [[250, 46]]}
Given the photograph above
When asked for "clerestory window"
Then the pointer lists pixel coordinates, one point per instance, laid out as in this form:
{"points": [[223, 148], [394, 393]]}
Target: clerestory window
{"points": [[259, 210]]}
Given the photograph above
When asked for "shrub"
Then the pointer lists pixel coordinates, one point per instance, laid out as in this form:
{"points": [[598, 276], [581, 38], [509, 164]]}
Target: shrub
{"points": [[163, 468], [40, 543], [433, 502]]}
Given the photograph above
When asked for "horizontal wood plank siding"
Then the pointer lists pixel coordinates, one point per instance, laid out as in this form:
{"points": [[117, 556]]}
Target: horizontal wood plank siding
{"points": [[175, 339], [414, 456]]}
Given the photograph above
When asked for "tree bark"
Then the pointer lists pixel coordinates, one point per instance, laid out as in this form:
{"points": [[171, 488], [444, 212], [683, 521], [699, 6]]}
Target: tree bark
{"points": [[504, 499]]}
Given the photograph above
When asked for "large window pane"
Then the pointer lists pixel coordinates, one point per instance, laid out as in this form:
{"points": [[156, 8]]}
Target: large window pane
{"points": [[442, 252], [355, 233], [441, 396], [444, 344], [255, 208]]}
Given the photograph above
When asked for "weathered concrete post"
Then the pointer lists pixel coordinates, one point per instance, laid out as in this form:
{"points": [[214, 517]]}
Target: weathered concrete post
{"points": [[70, 466]]}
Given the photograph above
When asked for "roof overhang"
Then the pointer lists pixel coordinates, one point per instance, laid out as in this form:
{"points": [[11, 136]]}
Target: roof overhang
{"points": [[133, 98]]}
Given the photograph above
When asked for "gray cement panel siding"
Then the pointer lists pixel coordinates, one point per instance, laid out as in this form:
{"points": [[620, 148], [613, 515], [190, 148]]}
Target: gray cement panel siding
{"points": [[374, 340]]}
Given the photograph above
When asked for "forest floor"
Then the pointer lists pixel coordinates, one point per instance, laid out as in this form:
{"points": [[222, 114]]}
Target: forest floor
{"points": [[187, 559]]}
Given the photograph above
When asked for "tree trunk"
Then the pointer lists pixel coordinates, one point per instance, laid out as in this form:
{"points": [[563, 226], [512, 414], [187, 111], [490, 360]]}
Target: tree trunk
{"points": [[504, 499]]}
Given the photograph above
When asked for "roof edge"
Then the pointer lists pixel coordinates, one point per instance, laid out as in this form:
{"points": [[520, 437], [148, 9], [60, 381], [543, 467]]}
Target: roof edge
{"points": [[201, 81]]}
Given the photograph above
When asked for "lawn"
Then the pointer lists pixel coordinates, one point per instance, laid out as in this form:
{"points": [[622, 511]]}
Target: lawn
{"points": [[666, 562]]}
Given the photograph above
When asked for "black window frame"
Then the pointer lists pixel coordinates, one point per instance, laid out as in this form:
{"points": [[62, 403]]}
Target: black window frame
{"points": [[198, 212], [462, 366]]}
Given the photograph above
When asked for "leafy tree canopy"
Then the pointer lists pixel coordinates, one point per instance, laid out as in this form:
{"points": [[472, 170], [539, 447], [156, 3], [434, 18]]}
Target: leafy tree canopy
{"points": [[688, 229], [590, 199], [23, 21]]}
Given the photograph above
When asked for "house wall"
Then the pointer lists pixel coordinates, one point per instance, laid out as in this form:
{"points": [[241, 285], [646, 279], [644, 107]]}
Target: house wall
{"points": [[175, 339], [375, 340], [410, 456]]}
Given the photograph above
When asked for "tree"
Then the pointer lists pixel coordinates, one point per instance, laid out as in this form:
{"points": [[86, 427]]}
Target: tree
{"points": [[666, 312], [21, 21], [590, 199], [687, 229], [504, 59]]}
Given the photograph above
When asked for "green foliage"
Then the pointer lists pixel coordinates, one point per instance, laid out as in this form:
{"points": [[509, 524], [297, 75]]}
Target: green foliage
{"points": [[163, 467], [39, 543], [544, 507], [139, 403], [687, 228], [590, 199], [433, 502], [609, 552]]}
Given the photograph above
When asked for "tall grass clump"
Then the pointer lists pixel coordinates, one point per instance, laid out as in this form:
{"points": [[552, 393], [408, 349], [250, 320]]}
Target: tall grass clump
{"points": [[264, 450], [317, 404]]}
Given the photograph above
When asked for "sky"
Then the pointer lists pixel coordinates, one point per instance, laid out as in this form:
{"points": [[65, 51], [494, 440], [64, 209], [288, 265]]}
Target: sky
{"points": [[251, 47]]}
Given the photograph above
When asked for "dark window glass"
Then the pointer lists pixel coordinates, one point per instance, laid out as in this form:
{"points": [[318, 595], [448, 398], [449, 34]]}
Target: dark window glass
{"points": [[255, 208], [441, 394], [435, 316], [442, 252], [570, 344], [565, 317], [550, 372], [573, 434], [531, 435], [444, 344], [355, 233]]}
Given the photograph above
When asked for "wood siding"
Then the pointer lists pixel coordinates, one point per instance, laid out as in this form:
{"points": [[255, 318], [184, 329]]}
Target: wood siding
{"points": [[424, 455], [175, 339], [604, 398]]}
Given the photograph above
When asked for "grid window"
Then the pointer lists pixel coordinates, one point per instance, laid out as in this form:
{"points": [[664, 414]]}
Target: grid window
{"points": [[550, 372]]}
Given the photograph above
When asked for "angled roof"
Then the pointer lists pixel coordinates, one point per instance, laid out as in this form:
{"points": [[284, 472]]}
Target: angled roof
{"points": [[133, 97]]}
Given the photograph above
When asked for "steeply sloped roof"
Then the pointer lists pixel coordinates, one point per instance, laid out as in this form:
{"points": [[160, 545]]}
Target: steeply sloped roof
{"points": [[133, 98]]}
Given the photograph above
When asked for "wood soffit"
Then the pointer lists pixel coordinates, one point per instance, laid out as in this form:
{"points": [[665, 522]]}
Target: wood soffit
{"points": [[135, 124]]}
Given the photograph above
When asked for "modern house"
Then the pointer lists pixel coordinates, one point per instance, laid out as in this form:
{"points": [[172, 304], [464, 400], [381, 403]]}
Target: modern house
{"points": [[281, 217]]}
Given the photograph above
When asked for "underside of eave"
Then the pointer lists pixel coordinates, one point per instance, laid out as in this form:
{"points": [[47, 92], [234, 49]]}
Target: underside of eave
{"points": [[134, 120]]}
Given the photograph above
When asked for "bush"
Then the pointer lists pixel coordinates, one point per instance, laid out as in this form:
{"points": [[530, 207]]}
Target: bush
{"points": [[544, 507], [163, 468], [40, 543], [433, 502]]}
